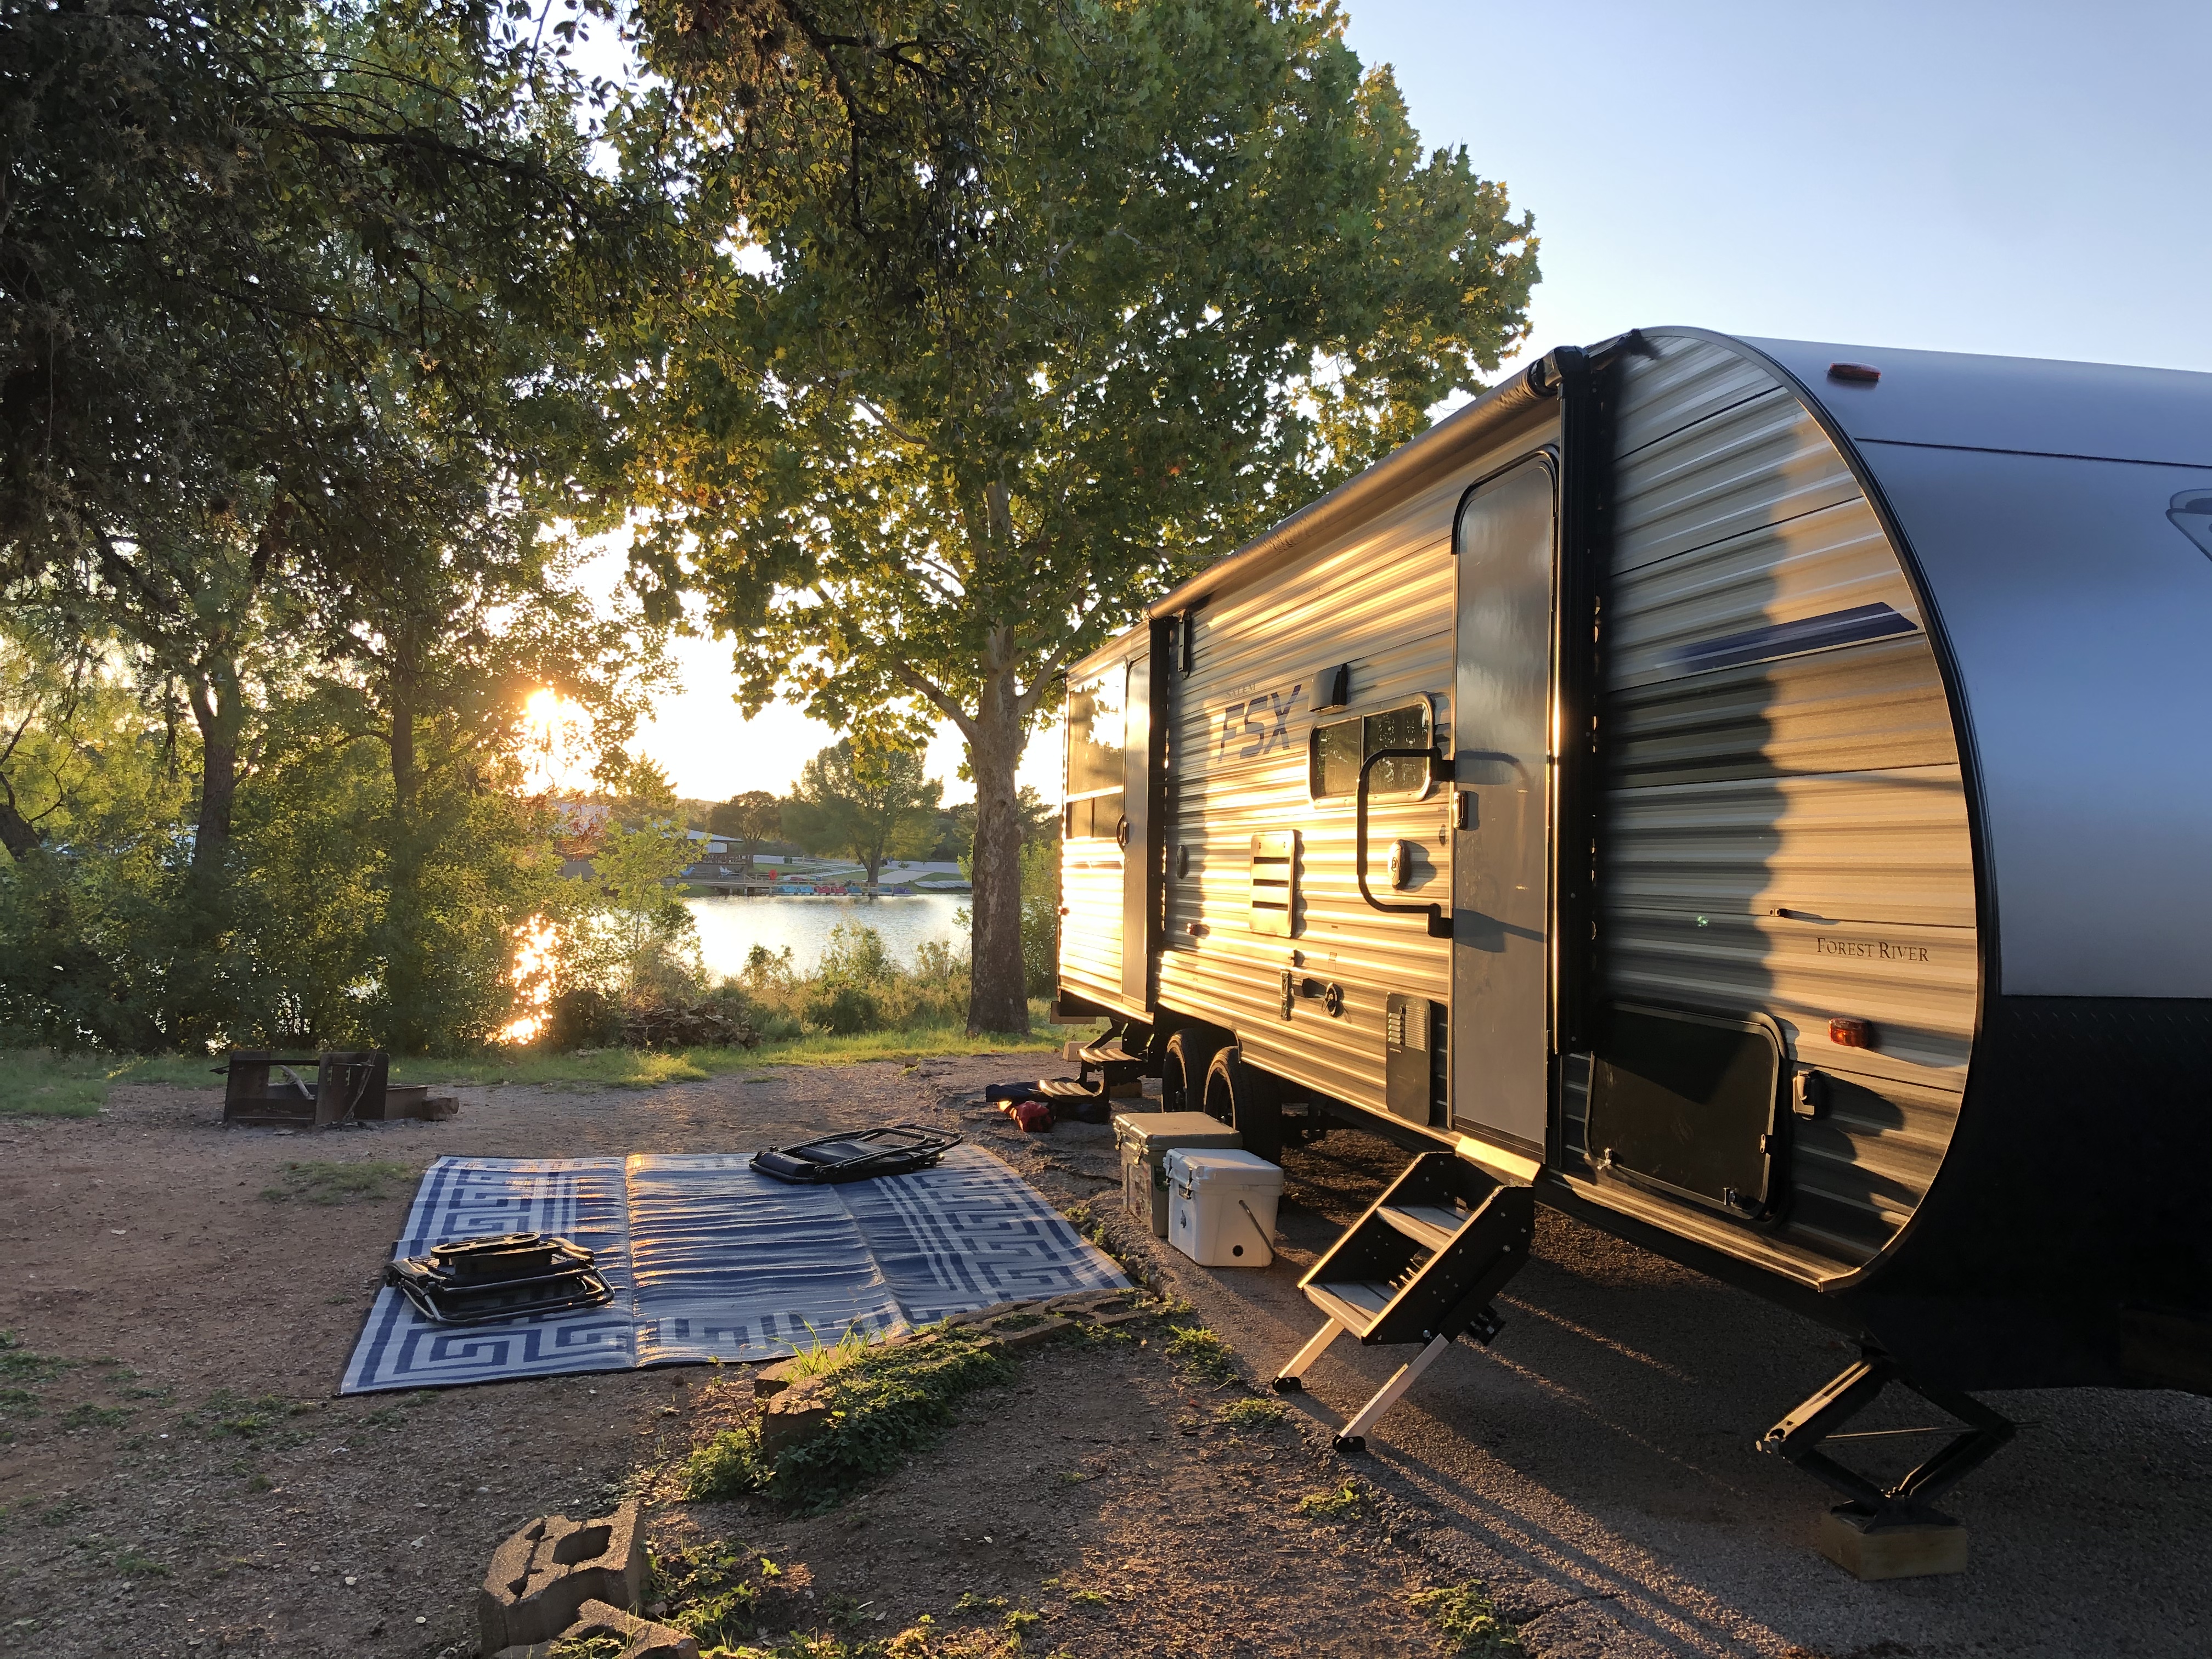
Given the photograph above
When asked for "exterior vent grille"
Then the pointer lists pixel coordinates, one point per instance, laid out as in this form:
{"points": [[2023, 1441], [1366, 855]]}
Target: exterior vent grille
{"points": [[1275, 883]]}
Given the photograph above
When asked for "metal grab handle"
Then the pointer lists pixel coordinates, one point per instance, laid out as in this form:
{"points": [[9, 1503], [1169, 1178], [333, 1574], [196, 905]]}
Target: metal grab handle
{"points": [[1440, 766]]}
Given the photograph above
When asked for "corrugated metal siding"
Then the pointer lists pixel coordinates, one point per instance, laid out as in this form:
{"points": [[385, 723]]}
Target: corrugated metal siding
{"points": [[1380, 598], [1824, 785]]}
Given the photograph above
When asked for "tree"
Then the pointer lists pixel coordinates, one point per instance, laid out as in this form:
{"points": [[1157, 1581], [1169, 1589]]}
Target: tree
{"points": [[931, 433], [753, 817], [870, 805]]}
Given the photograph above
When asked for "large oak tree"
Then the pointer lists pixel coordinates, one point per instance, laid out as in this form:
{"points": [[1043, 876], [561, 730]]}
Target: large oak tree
{"points": [[1016, 313]]}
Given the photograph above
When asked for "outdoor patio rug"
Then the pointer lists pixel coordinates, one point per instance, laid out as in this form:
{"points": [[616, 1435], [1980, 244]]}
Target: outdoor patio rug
{"points": [[709, 1260]]}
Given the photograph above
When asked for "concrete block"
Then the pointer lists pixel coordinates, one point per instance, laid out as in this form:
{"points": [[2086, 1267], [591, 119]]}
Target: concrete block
{"points": [[1919, 1550], [1028, 1336], [985, 1315], [794, 1417], [544, 1573]]}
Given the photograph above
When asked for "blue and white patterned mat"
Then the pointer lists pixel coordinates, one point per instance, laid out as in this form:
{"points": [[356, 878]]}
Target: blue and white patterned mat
{"points": [[708, 1260]]}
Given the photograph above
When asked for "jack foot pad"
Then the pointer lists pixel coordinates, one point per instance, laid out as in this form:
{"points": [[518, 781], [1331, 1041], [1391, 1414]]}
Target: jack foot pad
{"points": [[1289, 1385], [1350, 1442], [1912, 1549]]}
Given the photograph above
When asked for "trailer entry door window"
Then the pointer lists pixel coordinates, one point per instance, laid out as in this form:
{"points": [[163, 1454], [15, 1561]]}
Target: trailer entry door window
{"points": [[1339, 747], [1096, 767]]}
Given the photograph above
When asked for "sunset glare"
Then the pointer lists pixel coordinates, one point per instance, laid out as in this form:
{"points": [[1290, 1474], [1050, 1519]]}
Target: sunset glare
{"points": [[556, 741]]}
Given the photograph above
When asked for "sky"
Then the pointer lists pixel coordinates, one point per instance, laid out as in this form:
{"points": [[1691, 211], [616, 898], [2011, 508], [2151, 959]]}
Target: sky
{"points": [[2029, 179]]}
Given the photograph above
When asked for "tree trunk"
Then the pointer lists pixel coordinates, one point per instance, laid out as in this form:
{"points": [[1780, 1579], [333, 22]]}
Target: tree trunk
{"points": [[17, 833], [219, 710], [406, 1018], [997, 1000]]}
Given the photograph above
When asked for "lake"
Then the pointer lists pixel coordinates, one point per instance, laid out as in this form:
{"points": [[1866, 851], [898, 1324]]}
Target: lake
{"points": [[730, 928]]}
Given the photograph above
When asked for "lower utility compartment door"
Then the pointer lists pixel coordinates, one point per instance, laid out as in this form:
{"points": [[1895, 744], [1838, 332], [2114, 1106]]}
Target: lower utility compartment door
{"points": [[1687, 1104]]}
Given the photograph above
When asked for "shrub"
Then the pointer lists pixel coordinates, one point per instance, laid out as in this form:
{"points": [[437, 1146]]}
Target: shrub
{"points": [[844, 1009]]}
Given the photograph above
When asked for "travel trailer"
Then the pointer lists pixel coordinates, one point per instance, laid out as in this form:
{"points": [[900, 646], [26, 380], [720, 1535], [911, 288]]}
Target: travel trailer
{"points": [[1749, 795]]}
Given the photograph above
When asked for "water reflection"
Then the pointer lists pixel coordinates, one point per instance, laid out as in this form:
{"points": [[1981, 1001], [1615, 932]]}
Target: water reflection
{"points": [[730, 928]]}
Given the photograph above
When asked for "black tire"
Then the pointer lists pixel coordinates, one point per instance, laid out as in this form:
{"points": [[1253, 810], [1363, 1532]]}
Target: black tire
{"points": [[1249, 1100], [1183, 1068]]}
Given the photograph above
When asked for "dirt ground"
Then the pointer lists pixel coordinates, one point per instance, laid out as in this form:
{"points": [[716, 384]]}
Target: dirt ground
{"points": [[177, 1480]]}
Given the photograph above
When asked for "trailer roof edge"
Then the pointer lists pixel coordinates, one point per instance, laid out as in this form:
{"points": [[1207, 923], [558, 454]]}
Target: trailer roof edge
{"points": [[1402, 469]]}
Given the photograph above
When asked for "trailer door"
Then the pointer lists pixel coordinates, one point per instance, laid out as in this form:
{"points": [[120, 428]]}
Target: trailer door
{"points": [[1136, 838], [1502, 749]]}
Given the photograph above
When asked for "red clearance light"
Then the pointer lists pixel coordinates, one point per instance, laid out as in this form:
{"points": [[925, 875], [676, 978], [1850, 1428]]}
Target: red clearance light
{"points": [[1859, 373], [1850, 1033]]}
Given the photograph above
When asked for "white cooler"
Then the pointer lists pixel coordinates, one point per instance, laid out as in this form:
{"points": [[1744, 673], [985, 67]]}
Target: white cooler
{"points": [[1221, 1207]]}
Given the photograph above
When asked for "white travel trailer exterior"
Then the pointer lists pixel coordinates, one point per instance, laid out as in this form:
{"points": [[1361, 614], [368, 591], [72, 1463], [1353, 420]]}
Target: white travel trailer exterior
{"points": [[1783, 770]]}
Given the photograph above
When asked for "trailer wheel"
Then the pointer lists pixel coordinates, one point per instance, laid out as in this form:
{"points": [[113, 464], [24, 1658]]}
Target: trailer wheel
{"points": [[1249, 1100], [1183, 1068]]}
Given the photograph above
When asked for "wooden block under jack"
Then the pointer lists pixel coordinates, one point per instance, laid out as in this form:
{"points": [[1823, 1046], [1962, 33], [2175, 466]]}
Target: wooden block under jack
{"points": [[1915, 1550]]}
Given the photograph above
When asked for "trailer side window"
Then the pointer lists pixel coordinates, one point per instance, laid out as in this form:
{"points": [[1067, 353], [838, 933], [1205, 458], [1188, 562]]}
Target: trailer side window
{"points": [[1339, 746], [1096, 766]]}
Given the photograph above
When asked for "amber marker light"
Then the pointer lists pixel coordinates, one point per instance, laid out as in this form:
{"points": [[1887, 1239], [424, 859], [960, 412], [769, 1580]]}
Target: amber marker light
{"points": [[1850, 1033]]}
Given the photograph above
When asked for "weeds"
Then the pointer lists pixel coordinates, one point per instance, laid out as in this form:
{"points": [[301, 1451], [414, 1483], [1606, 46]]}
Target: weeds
{"points": [[1348, 1503], [587, 1647], [1253, 1414], [131, 1564], [231, 1418], [820, 1360], [971, 1603], [19, 1364], [1465, 1614], [1088, 1598], [1203, 1354], [886, 1402], [89, 1416], [337, 1183], [707, 1586]]}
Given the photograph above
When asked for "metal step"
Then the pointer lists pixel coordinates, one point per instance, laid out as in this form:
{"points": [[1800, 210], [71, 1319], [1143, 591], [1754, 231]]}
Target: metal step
{"points": [[1066, 1088], [1428, 1255], [1109, 1052], [1354, 1304], [1432, 1226], [1421, 1266]]}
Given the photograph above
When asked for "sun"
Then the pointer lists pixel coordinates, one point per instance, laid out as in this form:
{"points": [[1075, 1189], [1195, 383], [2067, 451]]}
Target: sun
{"points": [[555, 734]]}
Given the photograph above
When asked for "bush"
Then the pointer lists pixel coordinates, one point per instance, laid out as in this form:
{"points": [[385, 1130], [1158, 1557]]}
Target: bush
{"points": [[844, 1009], [858, 989], [582, 1018]]}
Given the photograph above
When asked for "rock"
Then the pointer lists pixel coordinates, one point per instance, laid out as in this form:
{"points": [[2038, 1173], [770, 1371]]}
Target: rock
{"points": [[541, 1576], [643, 1638]]}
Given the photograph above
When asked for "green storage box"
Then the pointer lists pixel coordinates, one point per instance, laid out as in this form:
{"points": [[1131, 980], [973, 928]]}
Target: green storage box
{"points": [[1145, 1138]]}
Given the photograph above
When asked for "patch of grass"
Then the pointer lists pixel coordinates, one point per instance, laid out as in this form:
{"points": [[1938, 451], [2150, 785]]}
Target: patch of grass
{"points": [[34, 1083], [319, 1183], [18, 1364], [1088, 1598], [587, 1647], [1251, 1414], [131, 1564], [89, 1416], [971, 1603], [1203, 1354], [1464, 1613], [231, 1417], [1072, 1477], [1348, 1503], [822, 1358], [890, 1401]]}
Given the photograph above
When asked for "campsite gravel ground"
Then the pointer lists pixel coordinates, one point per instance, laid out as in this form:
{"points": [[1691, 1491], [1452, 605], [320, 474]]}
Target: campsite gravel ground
{"points": [[187, 1484]]}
